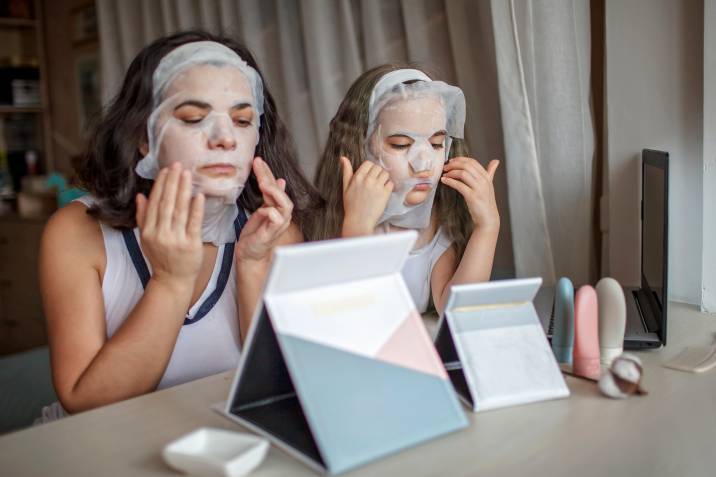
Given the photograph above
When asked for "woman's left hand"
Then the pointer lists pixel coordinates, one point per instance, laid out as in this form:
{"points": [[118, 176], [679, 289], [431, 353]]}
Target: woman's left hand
{"points": [[474, 183], [268, 223]]}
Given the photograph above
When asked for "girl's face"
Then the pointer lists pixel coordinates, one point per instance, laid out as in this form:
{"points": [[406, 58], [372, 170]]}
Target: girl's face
{"points": [[209, 125], [410, 143]]}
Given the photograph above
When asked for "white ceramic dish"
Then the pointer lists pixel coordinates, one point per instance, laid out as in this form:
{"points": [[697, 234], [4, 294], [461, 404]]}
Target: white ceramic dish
{"points": [[216, 452]]}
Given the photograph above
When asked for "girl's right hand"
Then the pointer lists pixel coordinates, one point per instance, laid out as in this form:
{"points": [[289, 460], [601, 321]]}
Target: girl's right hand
{"points": [[170, 228], [365, 196]]}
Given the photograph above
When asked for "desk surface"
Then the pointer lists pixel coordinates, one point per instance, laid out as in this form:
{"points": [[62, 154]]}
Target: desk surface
{"points": [[672, 431]]}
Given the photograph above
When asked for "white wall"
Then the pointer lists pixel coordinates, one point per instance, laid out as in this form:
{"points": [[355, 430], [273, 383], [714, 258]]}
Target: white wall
{"points": [[709, 166], [654, 99]]}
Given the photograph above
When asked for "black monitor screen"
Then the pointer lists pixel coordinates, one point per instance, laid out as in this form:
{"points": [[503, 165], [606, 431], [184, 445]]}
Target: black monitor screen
{"points": [[654, 219]]}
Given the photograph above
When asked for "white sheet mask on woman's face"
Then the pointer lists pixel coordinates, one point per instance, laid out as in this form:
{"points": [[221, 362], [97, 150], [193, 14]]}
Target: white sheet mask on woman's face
{"points": [[215, 142], [410, 132], [206, 116]]}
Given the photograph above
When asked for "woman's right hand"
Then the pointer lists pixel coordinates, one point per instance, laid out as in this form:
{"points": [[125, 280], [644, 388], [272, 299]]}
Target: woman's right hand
{"points": [[170, 228], [365, 196]]}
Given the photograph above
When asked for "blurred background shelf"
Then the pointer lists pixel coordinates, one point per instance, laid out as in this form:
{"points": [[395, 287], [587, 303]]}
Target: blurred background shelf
{"points": [[10, 109], [25, 130], [8, 22]]}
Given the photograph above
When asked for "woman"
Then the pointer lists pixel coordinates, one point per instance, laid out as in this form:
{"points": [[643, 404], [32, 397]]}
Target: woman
{"points": [[140, 292]]}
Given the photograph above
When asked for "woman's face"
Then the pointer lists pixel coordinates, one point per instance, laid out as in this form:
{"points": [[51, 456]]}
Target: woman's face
{"points": [[410, 143], [210, 126]]}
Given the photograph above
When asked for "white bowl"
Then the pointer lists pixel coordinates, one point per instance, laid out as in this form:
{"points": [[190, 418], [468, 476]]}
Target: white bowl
{"points": [[216, 452]]}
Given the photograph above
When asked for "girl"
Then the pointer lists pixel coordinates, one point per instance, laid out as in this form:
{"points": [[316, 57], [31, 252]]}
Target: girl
{"points": [[402, 134], [140, 292]]}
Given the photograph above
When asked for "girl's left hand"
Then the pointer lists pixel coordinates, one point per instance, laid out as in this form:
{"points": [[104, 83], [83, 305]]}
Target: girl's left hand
{"points": [[474, 183], [268, 222]]}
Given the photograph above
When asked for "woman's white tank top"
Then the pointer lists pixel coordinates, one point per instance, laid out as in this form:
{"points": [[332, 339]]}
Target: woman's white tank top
{"points": [[419, 266], [208, 342]]}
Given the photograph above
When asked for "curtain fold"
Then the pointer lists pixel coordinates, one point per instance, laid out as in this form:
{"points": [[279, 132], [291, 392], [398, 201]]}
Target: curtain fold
{"points": [[523, 65], [543, 58]]}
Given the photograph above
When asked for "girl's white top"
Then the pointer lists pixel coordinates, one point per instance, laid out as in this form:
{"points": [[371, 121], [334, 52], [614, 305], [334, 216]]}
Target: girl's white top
{"points": [[419, 266]]}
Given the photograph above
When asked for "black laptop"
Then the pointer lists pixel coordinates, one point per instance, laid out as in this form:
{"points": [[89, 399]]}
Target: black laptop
{"points": [[647, 304]]}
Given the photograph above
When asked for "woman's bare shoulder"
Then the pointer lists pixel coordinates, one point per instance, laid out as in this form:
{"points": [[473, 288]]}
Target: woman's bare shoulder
{"points": [[72, 230]]}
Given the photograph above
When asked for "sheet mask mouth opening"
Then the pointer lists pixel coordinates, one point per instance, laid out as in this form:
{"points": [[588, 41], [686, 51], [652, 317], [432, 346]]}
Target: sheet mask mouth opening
{"points": [[423, 182], [218, 170], [422, 186]]}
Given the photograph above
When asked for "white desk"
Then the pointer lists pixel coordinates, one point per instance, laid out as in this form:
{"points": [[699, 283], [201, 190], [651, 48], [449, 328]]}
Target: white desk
{"points": [[670, 432]]}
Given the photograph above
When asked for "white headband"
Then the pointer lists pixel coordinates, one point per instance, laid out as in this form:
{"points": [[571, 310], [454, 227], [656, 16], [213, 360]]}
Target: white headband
{"points": [[196, 53], [390, 81]]}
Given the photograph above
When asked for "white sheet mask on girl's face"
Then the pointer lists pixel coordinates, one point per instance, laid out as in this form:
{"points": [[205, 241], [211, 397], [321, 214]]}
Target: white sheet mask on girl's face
{"points": [[409, 143], [207, 111], [410, 131]]}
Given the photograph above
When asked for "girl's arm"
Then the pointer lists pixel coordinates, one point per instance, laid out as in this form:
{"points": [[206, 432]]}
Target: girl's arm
{"points": [[268, 227], [88, 369], [474, 183]]}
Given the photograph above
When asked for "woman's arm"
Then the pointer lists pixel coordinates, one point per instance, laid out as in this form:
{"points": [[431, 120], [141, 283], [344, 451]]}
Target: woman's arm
{"points": [[268, 227], [251, 276], [474, 183], [88, 369]]}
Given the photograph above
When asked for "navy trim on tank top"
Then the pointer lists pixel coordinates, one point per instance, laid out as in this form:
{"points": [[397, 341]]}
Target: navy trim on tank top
{"points": [[140, 265]]}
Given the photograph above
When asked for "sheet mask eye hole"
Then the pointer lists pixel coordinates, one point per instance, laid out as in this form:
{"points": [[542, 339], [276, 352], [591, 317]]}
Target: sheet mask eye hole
{"points": [[242, 122], [400, 147]]}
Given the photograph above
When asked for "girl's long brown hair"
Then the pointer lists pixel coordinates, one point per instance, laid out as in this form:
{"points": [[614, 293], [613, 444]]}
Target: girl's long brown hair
{"points": [[107, 168], [346, 137]]}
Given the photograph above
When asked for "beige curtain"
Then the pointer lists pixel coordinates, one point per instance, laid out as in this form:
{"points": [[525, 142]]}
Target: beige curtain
{"points": [[311, 50], [543, 57]]}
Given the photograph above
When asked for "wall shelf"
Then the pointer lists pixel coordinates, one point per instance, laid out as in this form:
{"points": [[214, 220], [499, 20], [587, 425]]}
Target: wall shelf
{"points": [[10, 109], [6, 22]]}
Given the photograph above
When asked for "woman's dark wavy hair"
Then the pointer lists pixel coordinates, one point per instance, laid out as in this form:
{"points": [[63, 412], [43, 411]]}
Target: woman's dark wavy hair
{"points": [[107, 168]]}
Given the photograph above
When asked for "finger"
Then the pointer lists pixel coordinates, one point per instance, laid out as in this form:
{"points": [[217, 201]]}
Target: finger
{"points": [[457, 185], [168, 200], [363, 170], [266, 174], [150, 220], [279, 200], [465, 177], [375, 171], [389, 185], [267, 188], [492, 168], [274, 225], [196, 217], [384, 177], [464, 162], [282, 184], [347, 172], [141, 211], [259, 171], [471, 166], [181, 210], [270, 222]]}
